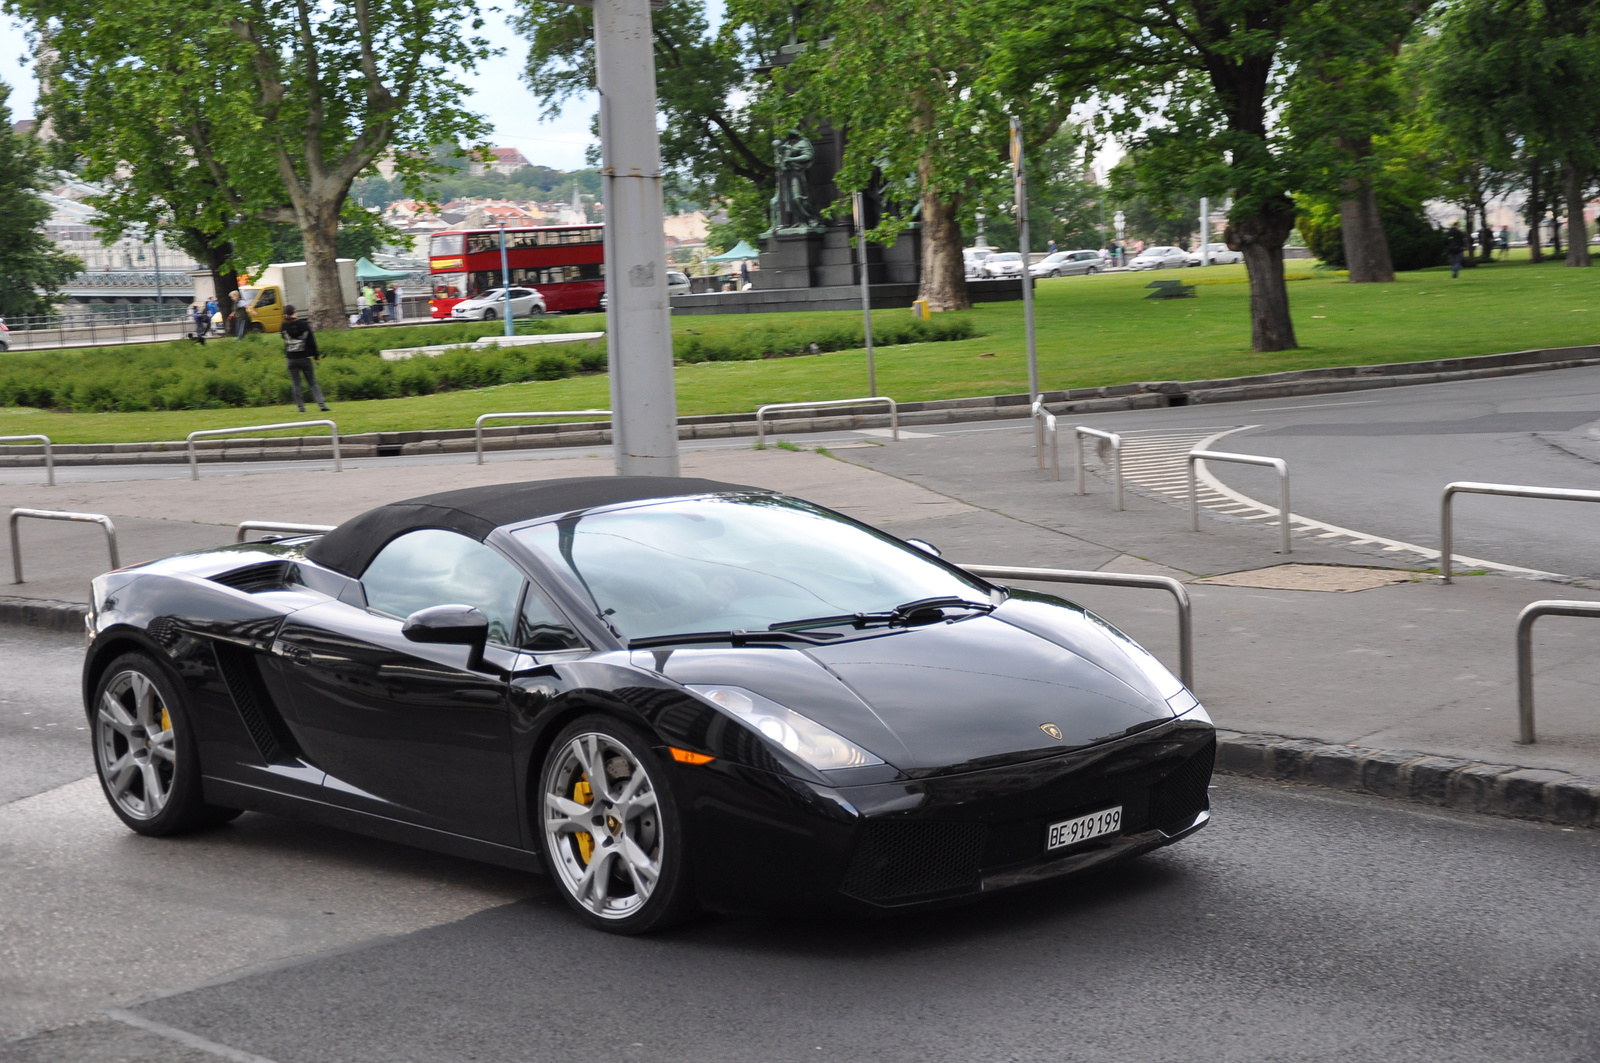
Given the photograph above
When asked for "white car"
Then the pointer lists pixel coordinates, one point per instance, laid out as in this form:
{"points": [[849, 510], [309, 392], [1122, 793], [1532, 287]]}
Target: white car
{"points": [[1220, 256], [491, 305], [1003, 264], [973, 257], [677, 284], [1068, 264], [1160, 258]]}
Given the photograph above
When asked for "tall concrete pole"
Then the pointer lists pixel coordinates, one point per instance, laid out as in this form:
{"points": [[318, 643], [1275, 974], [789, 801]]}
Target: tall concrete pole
{"points": [[505, 276], [866, 289], [1021, 179], [1205, 231], [644, 403]]}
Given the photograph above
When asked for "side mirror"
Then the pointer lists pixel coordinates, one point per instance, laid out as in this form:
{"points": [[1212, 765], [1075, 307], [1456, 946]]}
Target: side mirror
{"points": [[453, 625], [925, 547]]}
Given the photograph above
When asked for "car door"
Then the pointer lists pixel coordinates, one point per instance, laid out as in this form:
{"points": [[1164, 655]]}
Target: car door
{"points": [[406, 730]]}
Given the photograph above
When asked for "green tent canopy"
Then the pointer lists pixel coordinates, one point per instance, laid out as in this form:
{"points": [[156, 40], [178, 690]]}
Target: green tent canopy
{"points": [[739, 253], [367, 271]]}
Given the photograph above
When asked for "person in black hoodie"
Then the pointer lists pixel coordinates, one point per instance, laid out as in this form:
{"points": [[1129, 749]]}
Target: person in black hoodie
{"points": [[300, 347]]}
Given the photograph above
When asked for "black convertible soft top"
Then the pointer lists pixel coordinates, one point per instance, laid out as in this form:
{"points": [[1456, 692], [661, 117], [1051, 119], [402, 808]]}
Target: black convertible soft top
{"points": [[476, 511]]}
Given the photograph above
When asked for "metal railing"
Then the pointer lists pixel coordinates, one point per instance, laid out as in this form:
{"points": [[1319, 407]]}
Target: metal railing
{"points": [[1525, 619], [49, 454], [1111, 579], [1243, 459], [477, 426], [246, 527], [56, 514], [1040, 417], [1467, 487], [1048, 420], [761, 413], [1116, 457], [211, 433]]}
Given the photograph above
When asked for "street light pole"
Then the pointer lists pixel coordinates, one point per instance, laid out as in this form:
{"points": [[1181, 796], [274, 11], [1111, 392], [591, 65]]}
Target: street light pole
{"points": [[866, 291], [1021, 182], [1205, 231], [505, 276], [644, 408], [160, 299]]}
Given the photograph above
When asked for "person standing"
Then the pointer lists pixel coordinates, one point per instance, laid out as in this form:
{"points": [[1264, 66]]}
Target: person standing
{"points": [[300, 351], [1505, 241], [239, 316], [1455, 242], [202, 323], [744, 274], [366, 304], [393, 298]]}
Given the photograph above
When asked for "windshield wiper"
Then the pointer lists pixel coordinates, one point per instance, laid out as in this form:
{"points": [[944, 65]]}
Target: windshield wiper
{"points": [[900, 614], [737, 638]]}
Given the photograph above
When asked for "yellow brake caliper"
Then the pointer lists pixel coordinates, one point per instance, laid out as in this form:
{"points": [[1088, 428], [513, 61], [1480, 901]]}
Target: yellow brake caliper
{"points": [[582, 794], [166, 720]]}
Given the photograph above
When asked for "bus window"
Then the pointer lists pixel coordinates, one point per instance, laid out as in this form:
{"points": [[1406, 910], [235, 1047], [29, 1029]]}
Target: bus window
{"points": [[448, 285], [445, 244]]}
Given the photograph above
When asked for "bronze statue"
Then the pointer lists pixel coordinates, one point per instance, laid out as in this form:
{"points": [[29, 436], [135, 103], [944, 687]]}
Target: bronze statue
{"points": [[791, 206]]}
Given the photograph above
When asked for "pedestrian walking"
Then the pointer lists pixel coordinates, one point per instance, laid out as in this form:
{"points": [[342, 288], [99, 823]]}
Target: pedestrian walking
{"points": [[744, 274], [1050, 248], [1455, 242], [1505, 241], [300, 351], [202, 323], [239, 316]]}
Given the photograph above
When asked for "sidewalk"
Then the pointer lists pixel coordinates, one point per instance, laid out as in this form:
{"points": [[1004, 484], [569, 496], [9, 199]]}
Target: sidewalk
{"points": [[1413, 666]]}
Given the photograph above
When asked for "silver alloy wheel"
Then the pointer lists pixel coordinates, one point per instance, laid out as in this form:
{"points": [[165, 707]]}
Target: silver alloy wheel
{"points": [[602, 825], [135, 745]]}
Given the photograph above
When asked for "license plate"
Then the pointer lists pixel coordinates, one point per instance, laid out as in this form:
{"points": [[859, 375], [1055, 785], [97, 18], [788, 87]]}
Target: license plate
{"points": [[1094, 825]]}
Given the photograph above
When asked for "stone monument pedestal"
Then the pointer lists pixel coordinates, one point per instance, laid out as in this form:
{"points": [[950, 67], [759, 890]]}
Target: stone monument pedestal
{"points": [[789, 261]]}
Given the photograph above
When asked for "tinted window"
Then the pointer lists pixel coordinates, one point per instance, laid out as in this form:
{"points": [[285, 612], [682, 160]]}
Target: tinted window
{"points": [[723, 563], [446, 244], [269, 297], [435, 567]]}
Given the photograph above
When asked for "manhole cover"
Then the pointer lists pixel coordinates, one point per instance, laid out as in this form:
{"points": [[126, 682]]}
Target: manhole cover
{"points": [[1312, 578]]}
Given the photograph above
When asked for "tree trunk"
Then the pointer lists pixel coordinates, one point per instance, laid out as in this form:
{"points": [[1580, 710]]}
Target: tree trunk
{"points": [[1577, 234], [1534, 213], [1555, 213], [320, 234], [1260, 237], [944, 271], [1366, 248]]}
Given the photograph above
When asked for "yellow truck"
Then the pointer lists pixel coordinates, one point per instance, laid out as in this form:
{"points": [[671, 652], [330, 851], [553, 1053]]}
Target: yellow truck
{"points": [[284, 283]]}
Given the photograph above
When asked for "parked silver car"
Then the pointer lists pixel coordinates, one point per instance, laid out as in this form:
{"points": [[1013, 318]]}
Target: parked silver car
{"points": [[972, 258], [1068, 264], [1003, 264], [1220, 256], [1160, 258]]}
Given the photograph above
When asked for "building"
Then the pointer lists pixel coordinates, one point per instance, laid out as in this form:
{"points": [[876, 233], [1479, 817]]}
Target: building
{"points": [[505, 160], [120, 274], [686, 228]]}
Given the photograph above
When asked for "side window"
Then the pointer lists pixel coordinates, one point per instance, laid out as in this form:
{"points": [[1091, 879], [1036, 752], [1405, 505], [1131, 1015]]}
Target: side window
{"points": [[267, 298], [543, 630], [436, 567]]}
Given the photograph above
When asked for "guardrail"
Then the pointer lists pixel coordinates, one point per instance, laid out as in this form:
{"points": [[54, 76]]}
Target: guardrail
{"points": [[57, 514], [1525, 619], [477, 426], [209, 433], [1116, 457], [1038, 413], [761, 413], [49, 454], [1467, 487], [246, 527], [1111, 579], [1243, 459]]}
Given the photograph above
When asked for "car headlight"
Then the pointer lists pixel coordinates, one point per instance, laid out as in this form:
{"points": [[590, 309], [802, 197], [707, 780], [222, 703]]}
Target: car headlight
{"points": [[805, 738]]}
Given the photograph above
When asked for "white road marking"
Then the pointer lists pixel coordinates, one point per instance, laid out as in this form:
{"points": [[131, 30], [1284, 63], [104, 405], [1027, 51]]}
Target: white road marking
{"points": [[184, 1037], [1314, 406]]}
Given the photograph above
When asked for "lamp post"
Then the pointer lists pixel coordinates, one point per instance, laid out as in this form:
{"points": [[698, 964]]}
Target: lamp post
{"points": [[160, 300], [1020, 179], [505, 276], [859, 205], [1205, 231]]}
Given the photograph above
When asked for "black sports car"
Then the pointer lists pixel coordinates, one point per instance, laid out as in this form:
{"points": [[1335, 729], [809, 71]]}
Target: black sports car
{"points": [[670, 693]]}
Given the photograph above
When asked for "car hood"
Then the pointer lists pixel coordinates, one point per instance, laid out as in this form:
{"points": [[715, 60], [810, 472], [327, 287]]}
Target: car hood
{"points": [[956, 695]]}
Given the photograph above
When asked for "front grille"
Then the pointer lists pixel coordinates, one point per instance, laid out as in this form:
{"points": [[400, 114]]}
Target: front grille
{"points": [[1182, 795], [895, 861]]}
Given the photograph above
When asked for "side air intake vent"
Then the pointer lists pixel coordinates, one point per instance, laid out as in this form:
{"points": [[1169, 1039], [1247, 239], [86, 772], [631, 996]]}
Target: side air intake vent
{"points": [[902, 860], [270, 576], [241, 672], [1183, 795]]}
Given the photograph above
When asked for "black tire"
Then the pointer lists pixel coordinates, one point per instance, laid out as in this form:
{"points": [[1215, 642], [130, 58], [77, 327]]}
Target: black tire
{"points": [[654, 829], [1091, 271], [490, 315], [129, 776], [257, 328]]}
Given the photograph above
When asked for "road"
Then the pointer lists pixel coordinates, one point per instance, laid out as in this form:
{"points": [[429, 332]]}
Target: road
{"points": [[1300, 926]]}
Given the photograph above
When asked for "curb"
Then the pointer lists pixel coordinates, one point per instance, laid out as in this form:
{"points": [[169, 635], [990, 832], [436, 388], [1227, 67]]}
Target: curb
{"points": [[42, 612], [1110, 398], [1446, 782]]}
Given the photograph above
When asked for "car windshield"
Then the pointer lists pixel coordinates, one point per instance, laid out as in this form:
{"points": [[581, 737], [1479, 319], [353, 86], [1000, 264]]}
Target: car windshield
{"points": [[1009, 256], [738, 562], [247, 296], [492, 294]]}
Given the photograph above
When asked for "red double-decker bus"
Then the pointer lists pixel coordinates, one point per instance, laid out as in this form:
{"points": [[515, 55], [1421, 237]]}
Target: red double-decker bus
{"points": [[565, 262]]}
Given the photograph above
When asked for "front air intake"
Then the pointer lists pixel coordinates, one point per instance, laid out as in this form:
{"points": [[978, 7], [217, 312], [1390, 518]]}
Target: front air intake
{"points": [[1177, 799], [899, 861]]}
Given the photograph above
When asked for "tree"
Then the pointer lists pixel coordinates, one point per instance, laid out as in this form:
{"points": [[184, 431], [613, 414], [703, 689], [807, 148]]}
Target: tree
{"points": [[1343, 96], [714, 143], [1195, 84], [1064, 204], [32, 270], [909, 83]]}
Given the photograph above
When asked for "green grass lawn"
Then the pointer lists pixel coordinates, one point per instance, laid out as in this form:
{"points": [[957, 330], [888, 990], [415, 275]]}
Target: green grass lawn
{"points": [[1091, 331]]}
